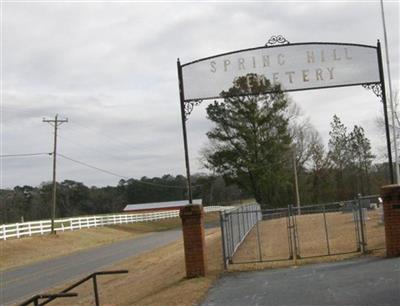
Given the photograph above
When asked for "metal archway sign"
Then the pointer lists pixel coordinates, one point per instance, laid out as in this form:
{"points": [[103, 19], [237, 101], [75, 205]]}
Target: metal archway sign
{"points": [[294, 66]]}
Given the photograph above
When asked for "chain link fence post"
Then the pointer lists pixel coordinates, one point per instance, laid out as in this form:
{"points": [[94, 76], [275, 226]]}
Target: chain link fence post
{"points": [[363, 242], [223, 238]]}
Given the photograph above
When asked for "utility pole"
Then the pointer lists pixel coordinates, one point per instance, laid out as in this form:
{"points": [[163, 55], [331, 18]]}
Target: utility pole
{"points": [[396, 155], [55, 123]]}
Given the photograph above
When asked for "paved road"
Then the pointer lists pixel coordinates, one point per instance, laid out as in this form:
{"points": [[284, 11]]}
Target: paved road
{"points": [[26, 281], [363, 282]]}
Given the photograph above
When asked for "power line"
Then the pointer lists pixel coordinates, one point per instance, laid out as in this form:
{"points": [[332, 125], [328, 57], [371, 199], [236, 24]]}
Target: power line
{"points": [[93, 167], [59, 122], [108, 171], [119, 175], [112, 138], [86, 147], [24, 155]]}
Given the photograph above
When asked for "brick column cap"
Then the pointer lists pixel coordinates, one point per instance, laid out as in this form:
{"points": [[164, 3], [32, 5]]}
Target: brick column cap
{"points": [[390, 192], [191, 210]]}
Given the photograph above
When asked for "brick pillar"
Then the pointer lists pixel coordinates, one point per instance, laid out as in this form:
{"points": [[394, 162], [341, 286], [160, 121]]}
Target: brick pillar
{"points": [[391, 210], [194, 240]]}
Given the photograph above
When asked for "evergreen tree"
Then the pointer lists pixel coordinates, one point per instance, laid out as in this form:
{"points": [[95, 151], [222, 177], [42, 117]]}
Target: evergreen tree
{"points": [[361, 158], [250, 140], [351, 159], [339, 154], [319, 174]]}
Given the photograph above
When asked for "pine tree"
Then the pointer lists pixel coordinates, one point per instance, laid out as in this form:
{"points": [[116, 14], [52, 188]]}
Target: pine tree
{"points": [[339, 154], [250, 140], [361, 158]]}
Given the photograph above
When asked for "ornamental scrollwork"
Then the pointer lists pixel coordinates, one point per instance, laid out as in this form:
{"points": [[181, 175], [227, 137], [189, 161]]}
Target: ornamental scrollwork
{"points": [[376, 89], [189, 105], [277, 40]]}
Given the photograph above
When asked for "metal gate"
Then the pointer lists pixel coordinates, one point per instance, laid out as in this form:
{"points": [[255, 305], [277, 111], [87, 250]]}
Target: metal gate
{"points": [[250, 234]]}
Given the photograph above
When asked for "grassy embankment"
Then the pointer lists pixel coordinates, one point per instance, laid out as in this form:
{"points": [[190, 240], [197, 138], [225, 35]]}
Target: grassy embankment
{"points": [[155, 278], [18, 252]]}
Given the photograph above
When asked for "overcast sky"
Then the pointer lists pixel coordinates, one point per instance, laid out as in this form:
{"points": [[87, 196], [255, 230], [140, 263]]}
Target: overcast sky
{"points": [[111, 69]]}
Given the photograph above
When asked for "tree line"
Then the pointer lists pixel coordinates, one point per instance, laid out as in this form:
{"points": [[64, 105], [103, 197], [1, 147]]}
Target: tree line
{"points": [[27, 203]]}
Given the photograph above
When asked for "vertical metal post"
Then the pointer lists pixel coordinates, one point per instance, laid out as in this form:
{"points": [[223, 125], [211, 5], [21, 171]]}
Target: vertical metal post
{"points": [[96, 292], [185, 144], [222, 224], [361, 220], [243, 221], [356, 226], [232, 238], [296, 182], [240, 217], [288, 226], [248, 217], [293, 232], [238, 223], [246, 224], [326, 231], [259, 242], [382, 81], [228, 235], [296, 236]]}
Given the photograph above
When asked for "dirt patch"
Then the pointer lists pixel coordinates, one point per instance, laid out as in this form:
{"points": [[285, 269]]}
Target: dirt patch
{"points": [[155, 278]]}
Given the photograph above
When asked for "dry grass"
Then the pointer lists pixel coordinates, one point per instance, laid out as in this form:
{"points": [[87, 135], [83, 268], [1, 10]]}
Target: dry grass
{"points": [[375, 231], [156, 278], [18, 252], [312, 239]]}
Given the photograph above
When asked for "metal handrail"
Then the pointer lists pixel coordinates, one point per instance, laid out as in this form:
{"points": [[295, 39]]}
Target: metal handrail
{"points": [[35, 299], [66, 293]]}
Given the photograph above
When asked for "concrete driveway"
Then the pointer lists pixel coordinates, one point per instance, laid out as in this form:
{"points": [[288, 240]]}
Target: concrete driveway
{"points": [[363, 281]]}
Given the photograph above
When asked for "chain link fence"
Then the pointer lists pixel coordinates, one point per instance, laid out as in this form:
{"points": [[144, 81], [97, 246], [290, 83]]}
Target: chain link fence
{"points": [[254, 235], [236, 225]]}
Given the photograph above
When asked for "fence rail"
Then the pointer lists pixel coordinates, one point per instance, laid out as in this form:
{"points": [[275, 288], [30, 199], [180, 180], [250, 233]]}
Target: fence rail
{"points": [[18, 230]]}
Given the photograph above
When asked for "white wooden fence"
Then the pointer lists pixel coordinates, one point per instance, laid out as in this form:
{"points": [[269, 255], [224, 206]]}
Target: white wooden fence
{"points": [[18, 230]]}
